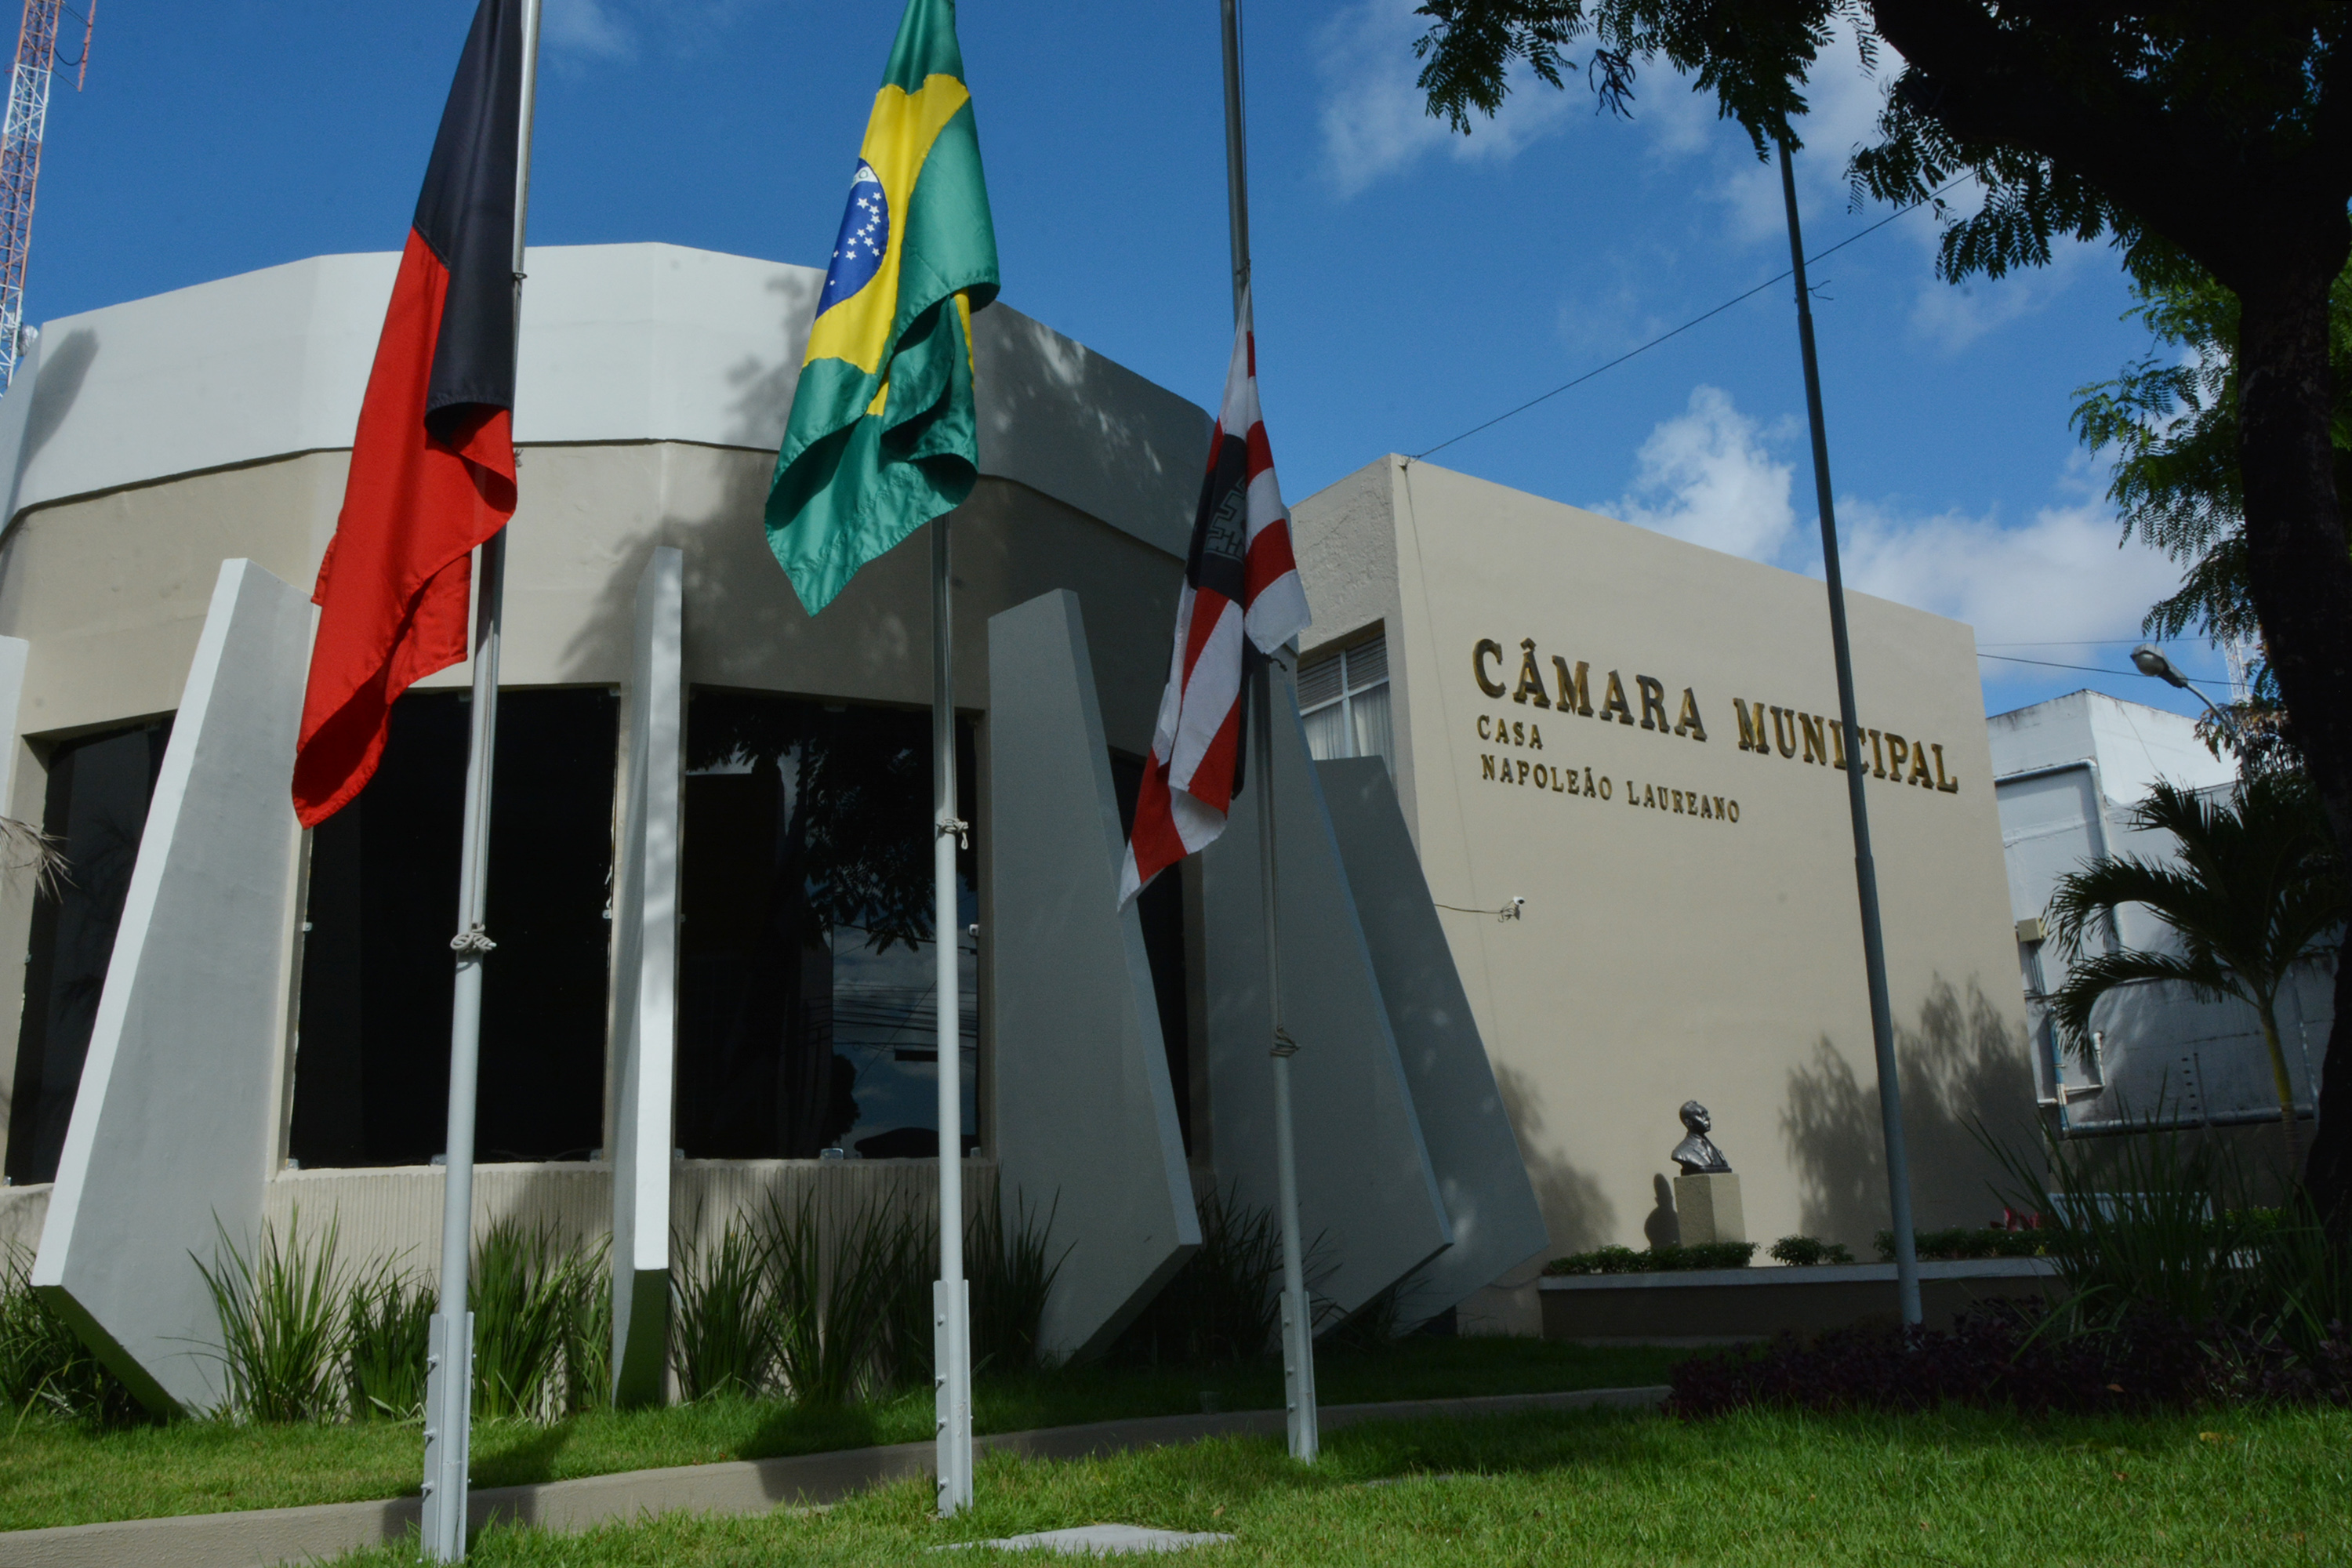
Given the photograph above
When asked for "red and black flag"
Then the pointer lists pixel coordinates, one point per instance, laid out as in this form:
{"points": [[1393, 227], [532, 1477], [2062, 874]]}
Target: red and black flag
{"points": [[1241, 583], [433, 465]]}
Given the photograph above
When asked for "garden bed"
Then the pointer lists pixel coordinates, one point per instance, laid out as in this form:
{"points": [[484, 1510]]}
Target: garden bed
{"points": [[1724, 1306]]}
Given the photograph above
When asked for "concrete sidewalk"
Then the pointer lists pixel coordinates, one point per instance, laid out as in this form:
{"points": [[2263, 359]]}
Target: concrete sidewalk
{"points": [[261, 1538]]}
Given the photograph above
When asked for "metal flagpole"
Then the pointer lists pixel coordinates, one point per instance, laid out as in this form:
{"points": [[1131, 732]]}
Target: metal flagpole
{"points": [[951, 1298], [450, 1376], [1865, 870], [1297, 1317]]}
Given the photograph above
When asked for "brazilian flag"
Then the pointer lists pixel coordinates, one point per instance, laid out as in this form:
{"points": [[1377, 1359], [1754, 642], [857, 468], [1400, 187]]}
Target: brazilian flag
{"points": [[882, 438]]}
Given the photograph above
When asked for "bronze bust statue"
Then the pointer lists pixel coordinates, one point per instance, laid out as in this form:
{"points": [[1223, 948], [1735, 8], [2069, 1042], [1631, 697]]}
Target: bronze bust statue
{"points": [[1696, 1153]]}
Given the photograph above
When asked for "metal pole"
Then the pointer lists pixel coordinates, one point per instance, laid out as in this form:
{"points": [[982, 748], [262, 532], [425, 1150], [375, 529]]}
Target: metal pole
{"points": [[1865, 870], [951, 1300], [1297, 1314], [450, 1376]]}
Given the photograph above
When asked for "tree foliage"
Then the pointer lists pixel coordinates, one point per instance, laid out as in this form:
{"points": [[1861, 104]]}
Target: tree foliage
{"points": [[2170, 419], [2243, 79]]}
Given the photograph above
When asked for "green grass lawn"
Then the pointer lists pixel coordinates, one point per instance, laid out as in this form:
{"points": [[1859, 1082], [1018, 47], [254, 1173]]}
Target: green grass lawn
{"points": [[54, 1473], [1602, 1487]]}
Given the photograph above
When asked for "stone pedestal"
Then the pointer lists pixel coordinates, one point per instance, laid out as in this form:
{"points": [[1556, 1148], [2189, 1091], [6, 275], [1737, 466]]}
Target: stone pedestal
{"points": [[1706, 1209]]}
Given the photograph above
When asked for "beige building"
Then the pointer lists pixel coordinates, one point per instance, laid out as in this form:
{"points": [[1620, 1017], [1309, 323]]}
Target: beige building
{"points": [[1637, 737]]}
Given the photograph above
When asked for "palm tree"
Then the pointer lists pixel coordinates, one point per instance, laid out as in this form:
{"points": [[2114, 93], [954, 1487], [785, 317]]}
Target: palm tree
{"points": [[2255, 891]]}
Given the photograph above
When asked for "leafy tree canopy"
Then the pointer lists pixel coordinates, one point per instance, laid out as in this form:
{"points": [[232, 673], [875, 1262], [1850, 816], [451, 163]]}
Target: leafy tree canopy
{"points": [[2170, 417], [2150, 90]]}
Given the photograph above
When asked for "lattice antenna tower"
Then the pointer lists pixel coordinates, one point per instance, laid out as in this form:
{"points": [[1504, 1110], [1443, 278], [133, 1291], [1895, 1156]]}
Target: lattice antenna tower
{"points": [[20, 159]]}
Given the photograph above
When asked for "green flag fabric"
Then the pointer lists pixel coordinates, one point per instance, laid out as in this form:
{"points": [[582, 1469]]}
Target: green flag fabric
{"points": [[882, 436]]}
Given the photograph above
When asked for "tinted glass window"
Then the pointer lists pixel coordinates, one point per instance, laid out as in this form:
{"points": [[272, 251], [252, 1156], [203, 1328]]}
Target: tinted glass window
{"points": [[808, 1002], [97, 808], [372, 1066]]}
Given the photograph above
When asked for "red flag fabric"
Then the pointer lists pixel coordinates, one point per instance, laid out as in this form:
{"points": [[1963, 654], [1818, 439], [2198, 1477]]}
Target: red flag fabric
{"points": [[433, 465], [1241, 582]]}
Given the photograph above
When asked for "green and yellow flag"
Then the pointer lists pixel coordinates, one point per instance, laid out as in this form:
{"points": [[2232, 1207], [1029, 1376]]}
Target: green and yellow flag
{"points": [[882, 436]]}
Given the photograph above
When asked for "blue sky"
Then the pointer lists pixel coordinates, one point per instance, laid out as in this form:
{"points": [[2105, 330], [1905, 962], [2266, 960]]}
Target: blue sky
{"points": [[1410, 283]]}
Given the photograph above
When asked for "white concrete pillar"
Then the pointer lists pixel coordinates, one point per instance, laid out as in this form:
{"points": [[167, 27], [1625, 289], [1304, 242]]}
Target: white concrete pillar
{"points": [[1489, 1201], [645, 984], [1368, 1204], [1085, 1116], [171, 1131]]}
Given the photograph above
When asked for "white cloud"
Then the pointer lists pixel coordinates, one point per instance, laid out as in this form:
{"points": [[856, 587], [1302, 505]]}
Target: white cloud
{"points": [[1375, 121], [2060, 578], [587, 27], [1705, 476], [1708, 476]]}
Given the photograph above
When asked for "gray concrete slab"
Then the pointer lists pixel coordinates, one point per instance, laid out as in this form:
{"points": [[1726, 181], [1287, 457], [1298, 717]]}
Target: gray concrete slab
{"points": [[169, 1145], [1481, 1177], [263, 1538], [1368, 1198], [1098, 1541], [645, 985], [1085, 1116]]}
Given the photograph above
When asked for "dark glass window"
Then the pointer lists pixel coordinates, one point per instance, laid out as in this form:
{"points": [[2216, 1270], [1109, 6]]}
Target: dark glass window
{"points": [[371, 1063], [808, 1001], [1161, 908], [97, 808]]}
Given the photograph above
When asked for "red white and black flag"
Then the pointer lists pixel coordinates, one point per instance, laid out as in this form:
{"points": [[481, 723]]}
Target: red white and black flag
{"points": [[432, 463], [1241, 586]]}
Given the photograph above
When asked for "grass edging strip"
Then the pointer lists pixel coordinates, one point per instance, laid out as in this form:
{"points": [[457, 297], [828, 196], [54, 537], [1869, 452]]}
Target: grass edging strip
{"points": [[259, 1538]]}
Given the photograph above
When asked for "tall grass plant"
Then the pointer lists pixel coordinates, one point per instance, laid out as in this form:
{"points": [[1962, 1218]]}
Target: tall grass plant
{"points": [[44, 1368], [282, 1324]]}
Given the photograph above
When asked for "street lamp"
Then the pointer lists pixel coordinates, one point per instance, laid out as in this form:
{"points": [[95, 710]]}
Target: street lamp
{"points": [[2149, 660]]}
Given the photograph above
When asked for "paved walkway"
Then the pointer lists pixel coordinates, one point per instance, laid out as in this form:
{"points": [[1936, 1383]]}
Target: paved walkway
{"points": [[261, 1538]]}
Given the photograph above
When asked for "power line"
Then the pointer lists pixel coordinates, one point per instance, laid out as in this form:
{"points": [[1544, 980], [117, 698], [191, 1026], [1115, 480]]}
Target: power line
{"points": [[1737, 299], [2049, 664]]}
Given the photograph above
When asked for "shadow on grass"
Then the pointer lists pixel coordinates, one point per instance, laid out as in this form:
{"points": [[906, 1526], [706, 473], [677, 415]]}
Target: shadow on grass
{"points": [[518, 1453]]}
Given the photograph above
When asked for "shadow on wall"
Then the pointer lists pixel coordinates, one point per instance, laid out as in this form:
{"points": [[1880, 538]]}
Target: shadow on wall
{"points": [[1578, 1216], [1962, 1065], [58, 380], [1664, 1227]]}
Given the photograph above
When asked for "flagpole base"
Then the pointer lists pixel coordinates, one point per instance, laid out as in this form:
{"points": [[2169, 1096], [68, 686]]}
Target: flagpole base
{"points": [[952, 1375], [448, 1435]]}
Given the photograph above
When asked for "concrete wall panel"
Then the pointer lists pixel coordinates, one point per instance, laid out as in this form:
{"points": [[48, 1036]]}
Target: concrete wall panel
{"points": [[619, 344], [1369, 1200], [645, 986], [1489, 1201], [1085, 1116], [172, 1130]]}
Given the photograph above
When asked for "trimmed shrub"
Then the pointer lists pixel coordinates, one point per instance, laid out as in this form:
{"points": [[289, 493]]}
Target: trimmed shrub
{"points": [[1805, 1252], [1962, 1241], [1655, 1259], [2015, 1355]]}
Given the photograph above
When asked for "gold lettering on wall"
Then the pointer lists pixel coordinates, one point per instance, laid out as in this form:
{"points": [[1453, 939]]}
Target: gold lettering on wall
{"points": [[1487, 648], [1575, 692], [1751, 734], [1816, 739], [1688, 725], [1530, 677], [1654, 702], [1613, 701]]}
